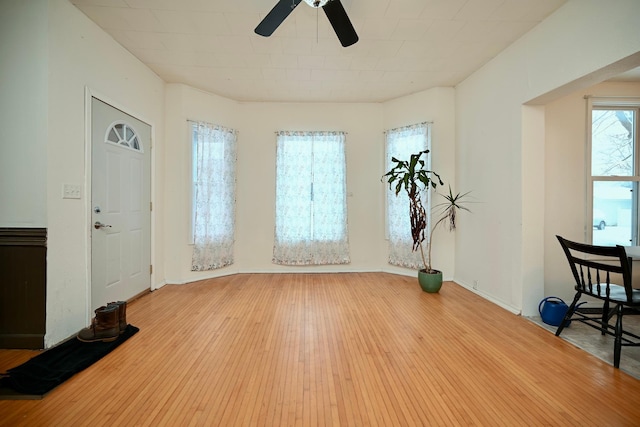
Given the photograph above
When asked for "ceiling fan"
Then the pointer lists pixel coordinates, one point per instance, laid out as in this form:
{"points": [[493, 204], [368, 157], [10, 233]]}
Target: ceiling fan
{"points": [[332, 8]]}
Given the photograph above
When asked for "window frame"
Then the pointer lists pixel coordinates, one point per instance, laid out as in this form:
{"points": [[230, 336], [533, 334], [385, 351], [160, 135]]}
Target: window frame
{"points": [[313, 168], [613, 103]]}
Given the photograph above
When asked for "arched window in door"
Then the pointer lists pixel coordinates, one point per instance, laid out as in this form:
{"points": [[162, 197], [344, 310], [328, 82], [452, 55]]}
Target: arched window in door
{"points": [[123, 135]]}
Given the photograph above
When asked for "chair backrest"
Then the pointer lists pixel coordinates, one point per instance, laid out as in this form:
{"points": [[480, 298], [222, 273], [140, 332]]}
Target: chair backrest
{"points": [[595, 268]]}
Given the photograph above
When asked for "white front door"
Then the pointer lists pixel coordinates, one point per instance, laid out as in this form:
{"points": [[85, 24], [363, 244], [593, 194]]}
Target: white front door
{"points": [[120, 205]]}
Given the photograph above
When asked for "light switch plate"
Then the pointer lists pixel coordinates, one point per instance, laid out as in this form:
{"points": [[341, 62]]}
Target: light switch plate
{"points": [[71, 191]]}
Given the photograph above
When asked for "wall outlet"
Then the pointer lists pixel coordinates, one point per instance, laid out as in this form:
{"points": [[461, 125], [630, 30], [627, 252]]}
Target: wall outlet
{"points": [[475, 284], [71, 191]]}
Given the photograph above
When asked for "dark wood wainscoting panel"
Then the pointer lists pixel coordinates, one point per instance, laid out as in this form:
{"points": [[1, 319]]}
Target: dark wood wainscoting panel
{"points": [[23, 284]]}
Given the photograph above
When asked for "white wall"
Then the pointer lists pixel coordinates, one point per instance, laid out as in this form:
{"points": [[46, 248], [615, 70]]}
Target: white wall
{"points": [[23, 113], [257, 124], [580, 38], [80, 56], [565, 201]]}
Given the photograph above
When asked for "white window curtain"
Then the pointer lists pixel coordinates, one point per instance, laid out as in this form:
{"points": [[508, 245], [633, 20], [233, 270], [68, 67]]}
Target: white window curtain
{"points": [[214, 177], [401, 143], [311, 202]]}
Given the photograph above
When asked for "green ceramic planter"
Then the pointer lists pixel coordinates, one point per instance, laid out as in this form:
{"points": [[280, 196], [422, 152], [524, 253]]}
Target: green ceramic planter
{"points": [[430, 282]]}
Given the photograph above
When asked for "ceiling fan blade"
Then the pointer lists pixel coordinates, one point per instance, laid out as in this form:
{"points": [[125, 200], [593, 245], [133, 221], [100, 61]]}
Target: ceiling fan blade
{"points": [[277, 15], [340, 22]]}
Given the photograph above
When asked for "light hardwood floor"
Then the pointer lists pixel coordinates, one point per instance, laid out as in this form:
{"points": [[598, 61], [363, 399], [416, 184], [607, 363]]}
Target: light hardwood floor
{"points": [[350, 349]]}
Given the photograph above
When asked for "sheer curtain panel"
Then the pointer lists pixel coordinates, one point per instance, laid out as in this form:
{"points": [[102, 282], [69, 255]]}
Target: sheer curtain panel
{"points": [[214, 179], [311, 202], [401, 143]]}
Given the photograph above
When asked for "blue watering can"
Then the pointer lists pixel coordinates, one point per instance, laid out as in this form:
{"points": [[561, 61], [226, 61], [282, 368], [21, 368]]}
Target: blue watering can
{"points": [[552, 310]]}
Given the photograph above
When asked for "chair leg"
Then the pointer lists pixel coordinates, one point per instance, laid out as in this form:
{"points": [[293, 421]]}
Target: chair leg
{"points": [[605, 317], [617, 346], [569, 313]]}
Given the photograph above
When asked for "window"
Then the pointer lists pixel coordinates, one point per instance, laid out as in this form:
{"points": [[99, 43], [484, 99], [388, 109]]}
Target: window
{"points": [[123, 135], [213, 210], [311, 203], [615, 174], [401, 143]]}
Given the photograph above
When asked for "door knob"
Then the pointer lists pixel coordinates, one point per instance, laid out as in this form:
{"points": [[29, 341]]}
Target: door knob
{"points": [[98, 225]]}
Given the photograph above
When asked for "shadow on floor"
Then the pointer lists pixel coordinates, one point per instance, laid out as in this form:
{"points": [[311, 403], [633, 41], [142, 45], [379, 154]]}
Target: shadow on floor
{"points": [[590, 340]]}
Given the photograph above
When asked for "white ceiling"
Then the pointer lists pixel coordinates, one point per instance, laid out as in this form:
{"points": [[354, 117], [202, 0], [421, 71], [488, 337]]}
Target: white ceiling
{"points": [[405, 45]]}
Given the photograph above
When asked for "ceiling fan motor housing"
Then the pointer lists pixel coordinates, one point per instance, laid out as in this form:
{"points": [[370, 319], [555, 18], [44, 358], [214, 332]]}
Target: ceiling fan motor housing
{"points": [[316, 3]]}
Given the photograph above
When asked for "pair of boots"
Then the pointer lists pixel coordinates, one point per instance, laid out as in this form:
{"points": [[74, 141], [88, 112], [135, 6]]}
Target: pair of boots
{"points": [[109, 323]]}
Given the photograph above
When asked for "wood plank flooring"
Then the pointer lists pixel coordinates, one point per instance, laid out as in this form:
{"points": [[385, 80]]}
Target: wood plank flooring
{"points": [[347, 349]]}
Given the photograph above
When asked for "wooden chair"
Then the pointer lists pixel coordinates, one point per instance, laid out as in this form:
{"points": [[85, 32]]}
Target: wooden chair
{"points": [[595, 269]]}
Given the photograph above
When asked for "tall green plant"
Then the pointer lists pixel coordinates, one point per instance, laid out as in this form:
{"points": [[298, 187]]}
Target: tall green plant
{"points": [[413, 177]]}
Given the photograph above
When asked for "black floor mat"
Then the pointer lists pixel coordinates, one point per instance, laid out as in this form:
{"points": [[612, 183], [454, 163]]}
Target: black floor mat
{"points": [[42, 373]]}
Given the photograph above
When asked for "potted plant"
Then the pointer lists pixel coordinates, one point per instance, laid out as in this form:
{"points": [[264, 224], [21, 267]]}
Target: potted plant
{"points": [[414, 178]]}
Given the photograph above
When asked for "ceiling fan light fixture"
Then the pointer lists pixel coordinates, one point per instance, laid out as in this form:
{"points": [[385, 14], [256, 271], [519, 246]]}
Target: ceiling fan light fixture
{"points": [[316, 3]]}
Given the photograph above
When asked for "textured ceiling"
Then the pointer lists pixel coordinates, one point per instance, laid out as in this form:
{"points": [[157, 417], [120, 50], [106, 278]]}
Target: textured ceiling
{"points": [[405, 45]]}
